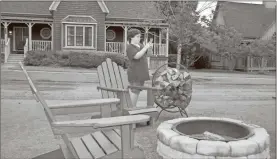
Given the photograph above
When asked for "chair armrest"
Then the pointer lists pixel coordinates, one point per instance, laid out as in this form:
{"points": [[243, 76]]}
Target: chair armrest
{"points": [[112, 89], [103, 122], [145, 88], [86, 103]]}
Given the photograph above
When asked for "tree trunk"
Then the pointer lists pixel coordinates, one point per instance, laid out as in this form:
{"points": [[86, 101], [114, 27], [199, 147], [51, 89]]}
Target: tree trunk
{"points": [[179, 51], [188, 61]]}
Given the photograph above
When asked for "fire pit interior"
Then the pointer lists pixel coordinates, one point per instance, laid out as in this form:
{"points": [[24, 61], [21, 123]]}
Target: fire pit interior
{"points": [[213, 130], [209, 137]]}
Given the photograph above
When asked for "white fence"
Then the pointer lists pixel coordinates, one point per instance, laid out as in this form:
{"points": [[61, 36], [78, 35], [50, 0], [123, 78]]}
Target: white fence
{"points": [[247, 63]]}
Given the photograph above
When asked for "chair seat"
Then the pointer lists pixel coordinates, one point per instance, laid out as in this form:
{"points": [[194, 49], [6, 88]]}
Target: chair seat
{"points": [[97, 144]]}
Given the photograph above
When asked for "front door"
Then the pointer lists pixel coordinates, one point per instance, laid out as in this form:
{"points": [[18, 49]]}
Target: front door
{"points": [[20, 35]]}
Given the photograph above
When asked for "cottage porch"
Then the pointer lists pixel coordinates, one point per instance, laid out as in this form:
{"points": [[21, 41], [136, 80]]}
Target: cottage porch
{"points": [[19, 35], [115, 39], [116, 35]]}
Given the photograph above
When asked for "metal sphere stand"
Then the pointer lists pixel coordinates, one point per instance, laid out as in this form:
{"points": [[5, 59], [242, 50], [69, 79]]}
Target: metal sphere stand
{"points": [[181, 109]]}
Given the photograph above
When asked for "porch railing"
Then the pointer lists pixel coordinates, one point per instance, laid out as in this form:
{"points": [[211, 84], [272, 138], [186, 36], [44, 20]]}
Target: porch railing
{"points": [[7, 50], [117, 47], [41, 45], [159, 49], [2, 45], [26, 47]]}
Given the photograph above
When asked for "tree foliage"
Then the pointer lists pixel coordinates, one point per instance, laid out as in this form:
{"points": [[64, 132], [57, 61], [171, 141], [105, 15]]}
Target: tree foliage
{"points": [[265, 48], [189, 29], [183, 20]]}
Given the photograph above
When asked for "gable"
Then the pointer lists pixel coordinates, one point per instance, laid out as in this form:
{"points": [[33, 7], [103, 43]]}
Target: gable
{"points": [[101, 4]]}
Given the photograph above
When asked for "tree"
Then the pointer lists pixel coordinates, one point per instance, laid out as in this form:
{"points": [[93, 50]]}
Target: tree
{"points": [[189, 28], [263, 48], [183, 25], [190, 32]]}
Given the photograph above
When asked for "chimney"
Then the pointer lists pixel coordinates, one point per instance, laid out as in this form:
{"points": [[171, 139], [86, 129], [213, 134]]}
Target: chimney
{"points": [[269, 3]]}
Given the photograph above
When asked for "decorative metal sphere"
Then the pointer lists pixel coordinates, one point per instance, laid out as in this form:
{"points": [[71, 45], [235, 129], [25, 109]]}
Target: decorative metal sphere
{"points": [[176, 87]]}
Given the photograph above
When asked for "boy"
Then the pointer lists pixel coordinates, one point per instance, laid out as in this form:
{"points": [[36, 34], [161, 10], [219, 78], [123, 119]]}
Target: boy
{"points": [[138, 68]]}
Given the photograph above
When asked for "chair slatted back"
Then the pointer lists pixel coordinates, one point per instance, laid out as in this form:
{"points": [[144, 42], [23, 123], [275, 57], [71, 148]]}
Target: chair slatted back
{"points": [[111, 75], [38, 96], [50, 116]]}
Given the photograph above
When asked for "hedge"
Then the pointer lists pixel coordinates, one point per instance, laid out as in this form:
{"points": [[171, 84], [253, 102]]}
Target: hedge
{"points": [[86, 59], [202, 62], [2, 58]]}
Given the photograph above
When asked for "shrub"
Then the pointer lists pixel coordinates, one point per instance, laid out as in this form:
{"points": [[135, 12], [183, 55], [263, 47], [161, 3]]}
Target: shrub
{"points": [[83, 59], [172, 58], [40, 58], [202, 62], [2, 58]]}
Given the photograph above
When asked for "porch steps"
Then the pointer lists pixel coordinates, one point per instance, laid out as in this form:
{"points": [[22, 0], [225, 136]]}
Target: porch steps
{"points": [[15, 58]]}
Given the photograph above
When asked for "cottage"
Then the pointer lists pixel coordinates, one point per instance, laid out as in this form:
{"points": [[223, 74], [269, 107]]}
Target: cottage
{"points": [[254, 21], [78, 25]]}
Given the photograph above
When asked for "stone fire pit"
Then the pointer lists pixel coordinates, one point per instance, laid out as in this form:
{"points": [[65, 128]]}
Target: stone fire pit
{"points": [[224, 138]]}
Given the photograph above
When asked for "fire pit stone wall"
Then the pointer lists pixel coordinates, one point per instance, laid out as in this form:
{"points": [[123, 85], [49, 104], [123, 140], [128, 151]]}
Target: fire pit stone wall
{"points": [[171, 144]]}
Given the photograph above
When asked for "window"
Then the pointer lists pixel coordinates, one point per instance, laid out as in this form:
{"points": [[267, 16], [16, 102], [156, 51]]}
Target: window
{"points": [[79, 36]]}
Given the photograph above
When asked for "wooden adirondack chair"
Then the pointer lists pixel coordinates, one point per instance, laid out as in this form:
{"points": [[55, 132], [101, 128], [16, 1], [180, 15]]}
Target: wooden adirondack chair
{"points": [[114, 84], [101, 138]]}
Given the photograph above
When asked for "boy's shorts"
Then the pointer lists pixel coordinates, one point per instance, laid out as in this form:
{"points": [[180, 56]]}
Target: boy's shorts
{"points": [[136, 84]]}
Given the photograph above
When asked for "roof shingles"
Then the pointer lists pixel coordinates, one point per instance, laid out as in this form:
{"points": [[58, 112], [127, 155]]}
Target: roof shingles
{"points": [[249, 19], [132, 10], [26, 7]]}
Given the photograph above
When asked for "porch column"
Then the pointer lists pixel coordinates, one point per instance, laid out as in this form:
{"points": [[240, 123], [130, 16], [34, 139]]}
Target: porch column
{"points": [[105, 37], [30, 25], [160, 42], [167, 41], [125, 39], [145, 41], [6, 24], [146, 34], [52, 35]]}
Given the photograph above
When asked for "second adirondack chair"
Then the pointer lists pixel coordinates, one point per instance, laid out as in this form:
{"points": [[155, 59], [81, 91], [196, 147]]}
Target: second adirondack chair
{"points": [[100, 138], [114, 84]]}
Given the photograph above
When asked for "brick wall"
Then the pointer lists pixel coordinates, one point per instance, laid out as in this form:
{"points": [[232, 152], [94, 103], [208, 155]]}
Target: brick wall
{"points": [[90, 8]]}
